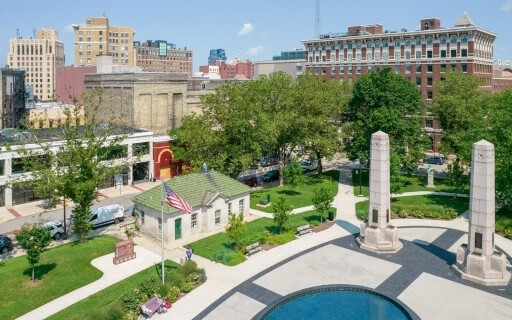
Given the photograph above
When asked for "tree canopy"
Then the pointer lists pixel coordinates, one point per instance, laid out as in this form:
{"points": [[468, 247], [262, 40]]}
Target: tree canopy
{"points": [[385, 101]]}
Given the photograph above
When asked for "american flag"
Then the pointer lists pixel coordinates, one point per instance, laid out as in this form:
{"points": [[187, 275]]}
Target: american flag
{"points": [[175, 201]]}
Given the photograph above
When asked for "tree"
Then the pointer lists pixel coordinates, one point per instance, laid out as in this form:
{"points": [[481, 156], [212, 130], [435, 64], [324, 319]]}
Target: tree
{"points": [[236, 228], [282, 210], [458, 176], [385, 101], [322, 200], [294, 175], [397, 182], [90, 152], [33, 239]]}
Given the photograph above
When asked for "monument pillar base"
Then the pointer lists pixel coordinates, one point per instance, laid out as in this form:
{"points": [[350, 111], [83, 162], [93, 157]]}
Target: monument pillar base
{"points": [[379, 240], [486, 270], [429, 183]]}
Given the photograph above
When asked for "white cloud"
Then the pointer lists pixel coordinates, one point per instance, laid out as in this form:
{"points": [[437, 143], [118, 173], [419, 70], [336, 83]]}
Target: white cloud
{"points": [[246, 29], [68, 28], [507, 6], [256, 51]]}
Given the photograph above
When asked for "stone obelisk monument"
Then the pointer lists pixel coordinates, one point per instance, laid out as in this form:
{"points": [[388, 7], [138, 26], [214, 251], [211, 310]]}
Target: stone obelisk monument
{"points": [[478, 261], [378, 235]]}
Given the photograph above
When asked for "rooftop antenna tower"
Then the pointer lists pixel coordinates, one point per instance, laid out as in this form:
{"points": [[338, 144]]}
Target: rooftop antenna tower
{"points": [[18, 33], [317, 18]]}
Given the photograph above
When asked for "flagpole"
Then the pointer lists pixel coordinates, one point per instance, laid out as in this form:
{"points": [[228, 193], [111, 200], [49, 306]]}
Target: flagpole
{"points": [[162, 219]]}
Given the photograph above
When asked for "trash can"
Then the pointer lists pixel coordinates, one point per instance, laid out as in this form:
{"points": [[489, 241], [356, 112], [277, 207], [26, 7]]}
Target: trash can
{"points": [[331, 215], [268, 198]]}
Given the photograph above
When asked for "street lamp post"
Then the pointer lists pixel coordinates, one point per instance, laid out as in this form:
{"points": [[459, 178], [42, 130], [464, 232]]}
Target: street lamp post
{"points": [[360, 178]]}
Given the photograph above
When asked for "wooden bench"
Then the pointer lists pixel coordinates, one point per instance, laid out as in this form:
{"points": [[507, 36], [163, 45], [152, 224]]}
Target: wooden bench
{"points": [[149, 308], [302, 230], [253, 248]]}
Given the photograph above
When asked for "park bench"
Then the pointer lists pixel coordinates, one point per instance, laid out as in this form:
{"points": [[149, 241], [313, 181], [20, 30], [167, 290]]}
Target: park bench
{"points": [[302, 230], [149, 308], [253, 248]]}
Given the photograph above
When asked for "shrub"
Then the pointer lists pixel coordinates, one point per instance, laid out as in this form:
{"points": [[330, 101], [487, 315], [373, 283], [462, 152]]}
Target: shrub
{"points": [[187, 268], [177, 279], [186, 287], [132, 299], [236, 258], [172, 294], [281, 238], [362, 214]]}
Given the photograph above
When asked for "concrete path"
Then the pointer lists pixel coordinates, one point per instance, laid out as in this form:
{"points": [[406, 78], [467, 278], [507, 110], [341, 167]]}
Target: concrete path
{"points": [[111, 274]]}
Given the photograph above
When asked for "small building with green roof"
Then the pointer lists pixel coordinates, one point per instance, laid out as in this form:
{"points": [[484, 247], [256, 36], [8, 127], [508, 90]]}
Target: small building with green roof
{"points": [[211, 195]]}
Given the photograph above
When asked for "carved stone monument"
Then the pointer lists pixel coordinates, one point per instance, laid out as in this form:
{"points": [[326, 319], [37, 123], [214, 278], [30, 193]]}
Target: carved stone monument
{"points": [[124, 251], [430, 177], [378, 235], [478, 261]]}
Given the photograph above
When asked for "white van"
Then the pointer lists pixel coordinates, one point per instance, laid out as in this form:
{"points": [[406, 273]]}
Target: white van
{"points": [[105, 215]]}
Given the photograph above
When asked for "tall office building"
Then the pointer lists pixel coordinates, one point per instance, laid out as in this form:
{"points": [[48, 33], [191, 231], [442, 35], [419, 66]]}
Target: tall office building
{"points": [[98, 37], [163, 56], [39, 57], [217, 55], [423, 56]]}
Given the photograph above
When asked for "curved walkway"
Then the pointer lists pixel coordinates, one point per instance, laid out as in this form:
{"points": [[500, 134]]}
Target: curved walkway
{"points": [[419, 275]]}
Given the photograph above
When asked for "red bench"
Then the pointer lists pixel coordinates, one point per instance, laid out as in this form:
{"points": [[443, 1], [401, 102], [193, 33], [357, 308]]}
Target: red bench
{"points": [[149, 308]]}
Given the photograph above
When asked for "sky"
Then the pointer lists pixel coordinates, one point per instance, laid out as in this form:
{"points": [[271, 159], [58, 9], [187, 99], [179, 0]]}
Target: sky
{"points": [[255, 30]]}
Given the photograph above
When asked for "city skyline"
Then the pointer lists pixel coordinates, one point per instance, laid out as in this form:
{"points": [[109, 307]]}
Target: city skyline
{"points": [[246, 30]]}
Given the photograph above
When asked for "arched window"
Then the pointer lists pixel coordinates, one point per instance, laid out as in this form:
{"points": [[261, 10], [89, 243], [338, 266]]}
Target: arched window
{"points": [[323, 47], [408, 42], [333, 47], [453, 40], [317, 47], [369, 44], [464, 39], [377, 44], [341, 45], [429, 41], [442, 40], [418, 41], [310, 48], [385, 43], [349, 45], [358, 45], [397, 43]]}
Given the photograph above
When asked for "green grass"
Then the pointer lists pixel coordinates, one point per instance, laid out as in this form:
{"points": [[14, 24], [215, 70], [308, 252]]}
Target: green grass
{"points": [[261, 230], [300, 196], [504, 221], [100, 302], [61, 270], [412, 183], [425, 206]]}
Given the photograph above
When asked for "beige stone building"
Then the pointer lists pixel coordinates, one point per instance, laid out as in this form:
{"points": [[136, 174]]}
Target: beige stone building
{"points": [[39, 57], [151, 101], [98, 37], [52, 115], [163, 56]]}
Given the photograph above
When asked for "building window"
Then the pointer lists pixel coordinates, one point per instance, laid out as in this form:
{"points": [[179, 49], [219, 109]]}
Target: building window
{"points": [[385, 55], [429, 54], [377, 55], [217, 216], [464, 39], [397, 55], [418, 54], [333, 70], [453, 40], [342, 69], [429, 41], [241, 205], [464, 52], [358, 69], [418, 41], [333, 57], [369, 56], [229, 207], [159, 231], [193, 221], [341, 46], [408, 55], [349, 46], [429, 123], [358, 56], [443, 53], [397, 68], [429, 95], [454, 67], [418, 68], [369, 44], [317, 59], [377, 44], [349, 58], [443, 68], [464, 67], [310, 59], [385, 43], [453, 53], [442, 40], [333, 47], [429, 68], [323, 58], [349, 69], [429, 81], [408, 68], [418, 81], [397, 43], [358, 45], [408, 42]]}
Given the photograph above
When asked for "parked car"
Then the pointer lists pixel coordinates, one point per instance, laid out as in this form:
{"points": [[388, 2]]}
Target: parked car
{"points": [[106, 215], [434, 160], [56, 229], [5, 244], [271, 176], [307, 165], [250, 181]]}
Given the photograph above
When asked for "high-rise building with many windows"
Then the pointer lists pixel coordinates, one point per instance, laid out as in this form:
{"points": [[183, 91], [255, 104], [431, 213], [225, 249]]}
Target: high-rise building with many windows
{"points": [[97, 37], [423, 56], [217, 55], [163, 56], [39, 57]]}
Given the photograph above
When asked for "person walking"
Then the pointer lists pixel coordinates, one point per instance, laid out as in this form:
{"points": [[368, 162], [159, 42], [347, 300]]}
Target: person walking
{"points": [[189, 253]]}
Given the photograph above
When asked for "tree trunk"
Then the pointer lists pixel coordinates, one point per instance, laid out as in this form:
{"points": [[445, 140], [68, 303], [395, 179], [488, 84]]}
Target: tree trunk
{"points": [[33, 273], [320, 168], [281, 175]]}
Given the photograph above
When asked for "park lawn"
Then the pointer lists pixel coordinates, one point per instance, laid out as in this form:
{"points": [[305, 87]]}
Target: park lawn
{"points": [[504, 221], [98, 304], [257, 230], [424, 206], [60, 270], [300, 196], [412, 183]]}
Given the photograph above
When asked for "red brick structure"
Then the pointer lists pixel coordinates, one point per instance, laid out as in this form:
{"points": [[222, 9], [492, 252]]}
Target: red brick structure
{"points": [[232, 69], [69, 82]]}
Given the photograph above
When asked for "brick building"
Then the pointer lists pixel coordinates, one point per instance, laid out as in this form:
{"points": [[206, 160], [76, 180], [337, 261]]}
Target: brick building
{"points": [[70, 82], [12, 97], [231, 69], [163, 56], [422, 56]]}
